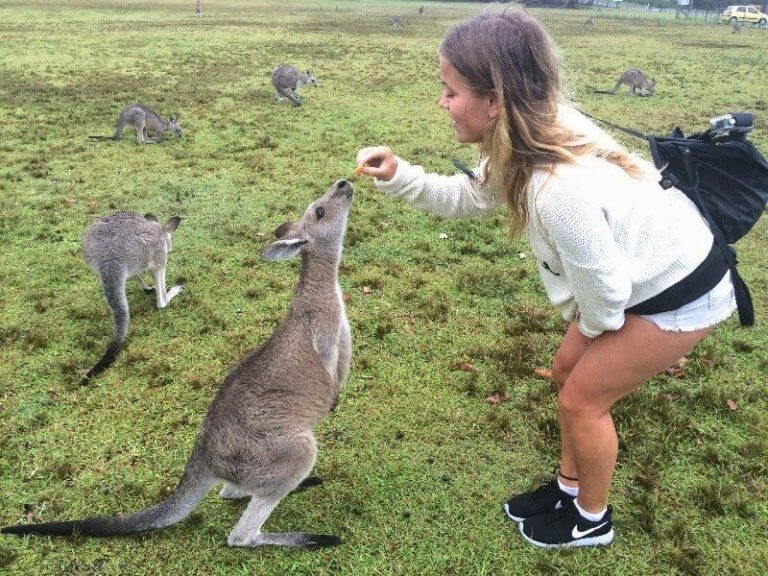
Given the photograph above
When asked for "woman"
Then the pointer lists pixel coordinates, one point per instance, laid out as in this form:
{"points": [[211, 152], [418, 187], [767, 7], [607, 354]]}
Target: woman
{"points": [[612, 248]]}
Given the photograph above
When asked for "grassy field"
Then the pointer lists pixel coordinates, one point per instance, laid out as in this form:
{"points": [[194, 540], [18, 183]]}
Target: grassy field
{"points": [[416, 462]]}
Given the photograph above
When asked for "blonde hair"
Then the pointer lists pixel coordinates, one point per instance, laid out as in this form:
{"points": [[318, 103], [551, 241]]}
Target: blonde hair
{"points": [[510, 53]]}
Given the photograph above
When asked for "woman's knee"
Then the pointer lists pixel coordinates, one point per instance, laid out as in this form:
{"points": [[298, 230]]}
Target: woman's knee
{"points": [[561, 369], [574, 404]]}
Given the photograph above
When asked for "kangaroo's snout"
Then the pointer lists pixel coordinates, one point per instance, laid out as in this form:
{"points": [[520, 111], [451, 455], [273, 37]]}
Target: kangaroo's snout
{"points": [[344, 187]]}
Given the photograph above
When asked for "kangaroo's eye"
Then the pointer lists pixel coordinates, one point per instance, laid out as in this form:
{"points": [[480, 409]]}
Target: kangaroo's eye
{"points": [[320, 212]]}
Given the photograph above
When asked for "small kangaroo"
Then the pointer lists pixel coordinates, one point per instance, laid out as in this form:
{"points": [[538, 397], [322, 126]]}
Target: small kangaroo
{"points": [[287, 80], [394, 21], [257, 435], [142, 119], [634, 79], [120, 246], [589, 23], [198, 8], [421, 10], [736, 27]]}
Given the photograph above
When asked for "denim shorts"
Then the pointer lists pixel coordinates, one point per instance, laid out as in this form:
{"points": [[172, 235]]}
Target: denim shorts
{"points": [[709, 310]]}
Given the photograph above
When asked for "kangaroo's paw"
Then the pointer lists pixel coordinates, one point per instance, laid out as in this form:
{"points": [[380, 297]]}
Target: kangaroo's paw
{"points": [[308, 482], [174, 291], [232, 492], [287, 539]]}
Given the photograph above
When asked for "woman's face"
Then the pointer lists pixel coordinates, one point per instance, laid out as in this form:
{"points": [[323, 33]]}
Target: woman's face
{"points": [[469, 112]]}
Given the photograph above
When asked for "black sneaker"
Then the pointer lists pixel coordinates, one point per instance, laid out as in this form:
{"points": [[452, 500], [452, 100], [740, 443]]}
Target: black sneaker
{"points": [[545, 498], [566, 527]]}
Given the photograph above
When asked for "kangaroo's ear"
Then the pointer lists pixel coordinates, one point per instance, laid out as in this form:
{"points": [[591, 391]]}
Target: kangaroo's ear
{"points": [[172, 118], [283, 229], [151, 217], [283, 249], [172, 224]]}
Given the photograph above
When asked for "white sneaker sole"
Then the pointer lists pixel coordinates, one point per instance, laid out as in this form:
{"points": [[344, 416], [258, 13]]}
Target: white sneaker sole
{"points": [[602, 540], [510, 516]]}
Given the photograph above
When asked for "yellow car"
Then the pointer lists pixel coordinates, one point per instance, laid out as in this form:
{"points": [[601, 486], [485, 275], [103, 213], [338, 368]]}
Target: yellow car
{"points": [[751, 14]]}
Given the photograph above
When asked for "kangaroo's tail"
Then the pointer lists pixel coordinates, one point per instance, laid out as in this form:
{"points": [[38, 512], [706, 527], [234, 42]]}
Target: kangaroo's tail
{"points": [[102, 137], [290, 96], [615, 89], [195, 483], [113, 284]]}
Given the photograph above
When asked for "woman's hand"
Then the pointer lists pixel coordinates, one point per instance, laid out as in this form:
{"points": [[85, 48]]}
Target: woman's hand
{"points": [[378, 162]]}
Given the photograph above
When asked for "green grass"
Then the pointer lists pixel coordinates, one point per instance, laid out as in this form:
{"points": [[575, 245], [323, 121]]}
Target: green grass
{"points": [[416, 462]]}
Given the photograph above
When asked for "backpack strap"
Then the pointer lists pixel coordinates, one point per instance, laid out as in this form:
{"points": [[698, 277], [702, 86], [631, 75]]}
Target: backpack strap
{"points": [[629, 131], [743, 297]]}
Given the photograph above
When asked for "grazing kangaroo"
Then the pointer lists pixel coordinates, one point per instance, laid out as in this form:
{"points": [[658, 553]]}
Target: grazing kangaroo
{"points": [[287, 80], [257, 435], [142, 119], [118, 247], [736, 27], [394, 21], [634, 79], [590, 23]]}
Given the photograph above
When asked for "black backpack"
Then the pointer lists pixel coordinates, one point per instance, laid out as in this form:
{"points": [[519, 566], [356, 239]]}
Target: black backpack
{"points": [[727, 178]]}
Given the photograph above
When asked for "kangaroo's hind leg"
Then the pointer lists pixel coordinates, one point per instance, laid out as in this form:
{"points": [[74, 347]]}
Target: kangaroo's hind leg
{"points": [[163, 296], [140, 128], [119, 129], [290, 463], [232, 492], [147, 289]]}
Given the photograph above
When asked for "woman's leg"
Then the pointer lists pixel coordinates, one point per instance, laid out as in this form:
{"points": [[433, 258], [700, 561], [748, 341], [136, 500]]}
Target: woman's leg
{"points": [[610, 367], [569, 353]]}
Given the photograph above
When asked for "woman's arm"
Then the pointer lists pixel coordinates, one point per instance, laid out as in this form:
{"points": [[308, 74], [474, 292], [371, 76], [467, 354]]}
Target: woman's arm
{"points": [[453, 196]]}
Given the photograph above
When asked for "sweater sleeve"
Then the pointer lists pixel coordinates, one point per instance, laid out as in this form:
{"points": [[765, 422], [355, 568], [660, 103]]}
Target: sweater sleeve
{"points": [[453, 196], [593, 265]]}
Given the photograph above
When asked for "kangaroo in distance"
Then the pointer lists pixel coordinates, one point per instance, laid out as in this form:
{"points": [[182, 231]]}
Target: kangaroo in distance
{"points": [[287, 80], [120, 246], [143, 119], [257, 435], [634, 80], [589, 23]]}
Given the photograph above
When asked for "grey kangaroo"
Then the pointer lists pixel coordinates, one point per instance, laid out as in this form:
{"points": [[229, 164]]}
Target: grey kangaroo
{"points": [[257, 435], [635, 80], [120, 246], [143, 119], [287, 80]]}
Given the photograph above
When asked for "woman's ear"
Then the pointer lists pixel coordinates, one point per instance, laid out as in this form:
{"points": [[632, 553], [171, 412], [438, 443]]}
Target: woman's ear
{"points": [[493, 104]]}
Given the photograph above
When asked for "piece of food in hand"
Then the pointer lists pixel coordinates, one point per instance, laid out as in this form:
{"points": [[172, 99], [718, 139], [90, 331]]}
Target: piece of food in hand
{"points": [[359, 169]]}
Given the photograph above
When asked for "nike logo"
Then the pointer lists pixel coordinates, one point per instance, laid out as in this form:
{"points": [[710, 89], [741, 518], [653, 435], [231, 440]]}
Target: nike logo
{"points": [[559, 505], [576, 533]]}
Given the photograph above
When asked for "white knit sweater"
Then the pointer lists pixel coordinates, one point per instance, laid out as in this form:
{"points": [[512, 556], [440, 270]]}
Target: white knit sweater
{"points": [[603, 241]]}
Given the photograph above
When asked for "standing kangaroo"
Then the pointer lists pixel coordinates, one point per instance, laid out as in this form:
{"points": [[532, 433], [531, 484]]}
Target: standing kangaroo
{"points": [[634, 79], [287, 80], [118, 247], [257, 435], [142, 119]]}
